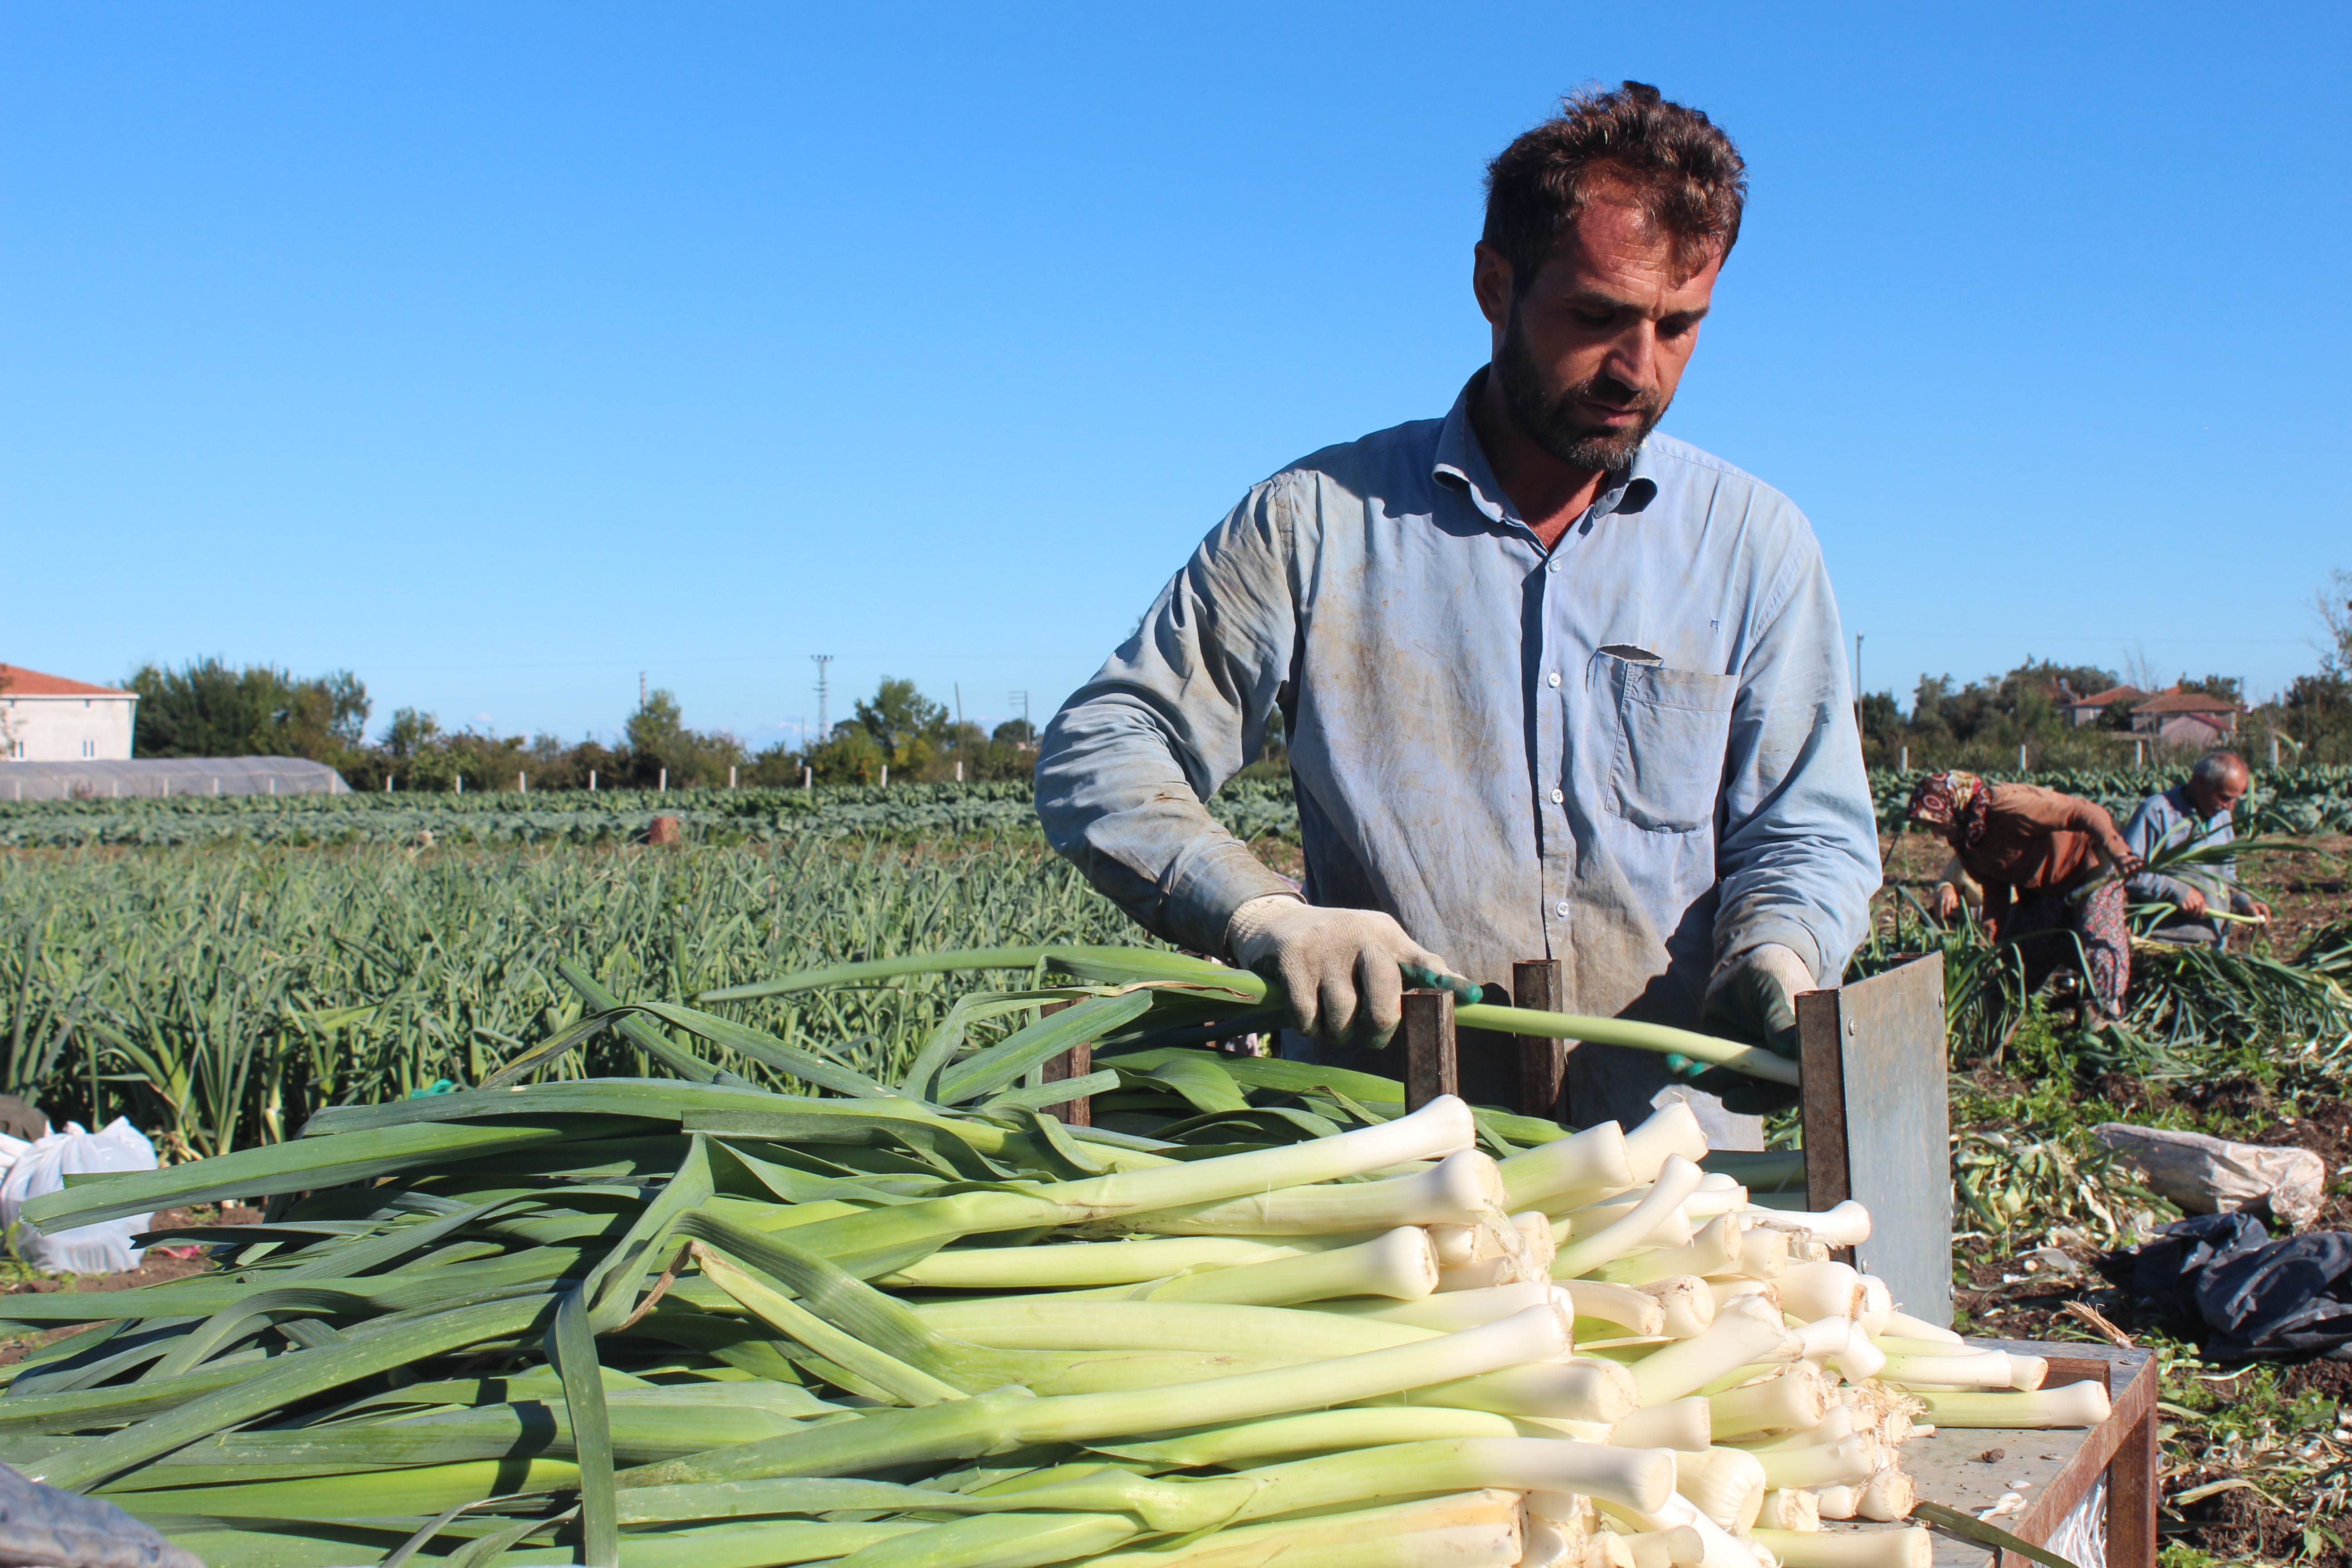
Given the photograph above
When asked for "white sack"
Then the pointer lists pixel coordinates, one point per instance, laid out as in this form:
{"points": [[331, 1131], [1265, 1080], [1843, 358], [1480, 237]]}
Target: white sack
{"points": [[101, 1248], [2211, 1175]]}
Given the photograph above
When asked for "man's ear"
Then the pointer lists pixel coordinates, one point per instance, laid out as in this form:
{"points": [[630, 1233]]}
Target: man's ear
{"points": [[1491, 282]]}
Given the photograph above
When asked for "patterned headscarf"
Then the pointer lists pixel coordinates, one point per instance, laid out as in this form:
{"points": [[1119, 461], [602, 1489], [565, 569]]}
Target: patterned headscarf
{"points": [[1942, 799]]}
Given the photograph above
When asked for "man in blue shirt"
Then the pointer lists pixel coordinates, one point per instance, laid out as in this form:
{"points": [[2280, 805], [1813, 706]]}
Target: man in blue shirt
{"points": [[2195, 814], [1553, 684]]}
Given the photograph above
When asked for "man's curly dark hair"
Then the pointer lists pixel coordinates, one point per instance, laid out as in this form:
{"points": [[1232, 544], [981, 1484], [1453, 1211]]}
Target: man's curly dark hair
{"points": [[1673, 162]]}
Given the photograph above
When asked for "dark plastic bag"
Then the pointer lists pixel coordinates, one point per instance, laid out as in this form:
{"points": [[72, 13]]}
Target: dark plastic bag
{"points": [[2264, 1299]]}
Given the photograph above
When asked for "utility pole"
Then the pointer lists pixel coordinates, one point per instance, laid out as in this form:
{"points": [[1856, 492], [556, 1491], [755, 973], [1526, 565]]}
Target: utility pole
{"points": [[1021, 697], [641, 692], [822, 659]]}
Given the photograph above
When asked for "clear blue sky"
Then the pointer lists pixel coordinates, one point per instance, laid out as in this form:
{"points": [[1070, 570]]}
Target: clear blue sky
{"points": [[498, 351]]}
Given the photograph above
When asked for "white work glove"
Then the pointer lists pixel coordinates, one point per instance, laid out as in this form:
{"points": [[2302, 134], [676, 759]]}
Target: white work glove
{"points": [[1343, 972]]}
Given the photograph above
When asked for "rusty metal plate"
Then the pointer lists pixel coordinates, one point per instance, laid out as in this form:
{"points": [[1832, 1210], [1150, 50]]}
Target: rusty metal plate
{"points": [[1877, 1124]]}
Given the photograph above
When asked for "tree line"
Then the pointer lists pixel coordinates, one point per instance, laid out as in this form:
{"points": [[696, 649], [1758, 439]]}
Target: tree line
{"points": [[1983, 722], [206, 707]]}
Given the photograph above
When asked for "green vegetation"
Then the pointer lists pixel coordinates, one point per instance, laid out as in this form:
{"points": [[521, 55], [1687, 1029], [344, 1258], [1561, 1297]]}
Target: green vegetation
{"points": [[219, 997]]}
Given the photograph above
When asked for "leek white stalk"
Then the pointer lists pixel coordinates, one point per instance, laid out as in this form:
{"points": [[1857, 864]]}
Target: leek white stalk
{"points": [[1725, 1290], [1825, 1337], [1665, 1548], [1726, 1485], [1746, 1330], [1877, 1305], [1676, 1181], [1972, 1369], [1473, 1530], [1593, 1158], [2068, 1404], [1860, 1361], [1636, 1477], [1911, 1328], [1813, 1291], [1636, 1311], [1798, 1396], [1849, 1461], [1360, 1477], [1607, 1549], [1439, 1128], [1689, 1304], [1452, 1310], [1475, 1256], [1837, 1502], [1671, 1131], [1080, 1264], [1319, 1431], [1544, 1545], [1463, 1187], [1401, 1264], [1714, 1250], [1005, 1418], [1718, 1547], [1791, 1508], [1584, 1389], [1845, 1224], [1912, 1548], [1051, 1323], [1887, 1497], [1763, 1253], [1684, 1425]]}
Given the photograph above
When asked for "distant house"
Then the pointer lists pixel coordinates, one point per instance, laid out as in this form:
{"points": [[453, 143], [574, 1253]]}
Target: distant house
{"points": [[49, 719], [2177, 718], [2092, 708]]}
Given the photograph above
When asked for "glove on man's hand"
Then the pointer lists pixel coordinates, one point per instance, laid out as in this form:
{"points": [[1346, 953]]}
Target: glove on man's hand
{"points": [[1754, 999], [1343, 972]]}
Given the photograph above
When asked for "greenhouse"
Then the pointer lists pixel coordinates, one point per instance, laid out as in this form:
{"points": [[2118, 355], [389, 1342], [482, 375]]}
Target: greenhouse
{"points": [[93, 779]]}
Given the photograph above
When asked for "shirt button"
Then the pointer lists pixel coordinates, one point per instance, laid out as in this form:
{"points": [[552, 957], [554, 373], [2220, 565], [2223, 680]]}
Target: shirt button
{"points": [[1553, 679], [1560, 909], [1551, 565], [1556, 797]]}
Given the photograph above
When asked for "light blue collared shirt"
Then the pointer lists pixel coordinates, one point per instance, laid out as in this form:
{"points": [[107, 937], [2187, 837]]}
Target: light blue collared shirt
{"points": [[1634, 752], [2170, 818]]}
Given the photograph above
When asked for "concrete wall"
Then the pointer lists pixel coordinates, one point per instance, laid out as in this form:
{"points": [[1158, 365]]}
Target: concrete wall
{"points": [[67, 729]]}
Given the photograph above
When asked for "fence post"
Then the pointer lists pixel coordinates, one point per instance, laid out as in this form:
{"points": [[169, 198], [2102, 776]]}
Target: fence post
{"points": [[886, 775], [521, 786], [664, 780], [1906, 759], [808, 776], [730, 775], [591, 781]]}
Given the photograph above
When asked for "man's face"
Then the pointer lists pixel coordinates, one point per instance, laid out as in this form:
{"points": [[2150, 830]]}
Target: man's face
{"points": [[1591, 353], [2214, 799]]}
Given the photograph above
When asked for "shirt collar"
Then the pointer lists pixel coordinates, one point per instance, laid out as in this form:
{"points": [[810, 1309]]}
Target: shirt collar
{"points": [[1461, 461]]}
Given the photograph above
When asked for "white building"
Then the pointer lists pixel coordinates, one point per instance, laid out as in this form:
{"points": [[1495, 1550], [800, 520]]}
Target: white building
{"points": [[49, 718]]}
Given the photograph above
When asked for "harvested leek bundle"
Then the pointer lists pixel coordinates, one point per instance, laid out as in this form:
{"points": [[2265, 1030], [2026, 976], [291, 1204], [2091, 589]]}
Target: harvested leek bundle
{"points": [[925, 1325]]}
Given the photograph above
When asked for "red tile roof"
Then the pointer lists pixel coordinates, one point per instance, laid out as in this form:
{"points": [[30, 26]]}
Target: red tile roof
{"points": [[15, 680], [2187, 702], [2111, 695]]}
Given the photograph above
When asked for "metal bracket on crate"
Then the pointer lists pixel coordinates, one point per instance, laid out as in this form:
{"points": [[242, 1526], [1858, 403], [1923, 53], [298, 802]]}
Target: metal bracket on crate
{"points": [[1877, 1123], [1431, 1066]]}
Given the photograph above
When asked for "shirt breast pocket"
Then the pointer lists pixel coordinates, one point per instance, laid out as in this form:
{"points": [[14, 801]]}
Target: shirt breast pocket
{"points": [[1673, 726]]}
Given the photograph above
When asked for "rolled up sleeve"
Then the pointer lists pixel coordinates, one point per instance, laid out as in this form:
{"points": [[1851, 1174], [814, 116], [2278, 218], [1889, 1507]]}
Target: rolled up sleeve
{"points": [[1123, 769], [1797, 852]]}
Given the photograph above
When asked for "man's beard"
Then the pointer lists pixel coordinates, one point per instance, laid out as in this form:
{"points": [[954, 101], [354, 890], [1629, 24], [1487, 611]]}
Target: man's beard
{"points": [[1553, 420]]}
